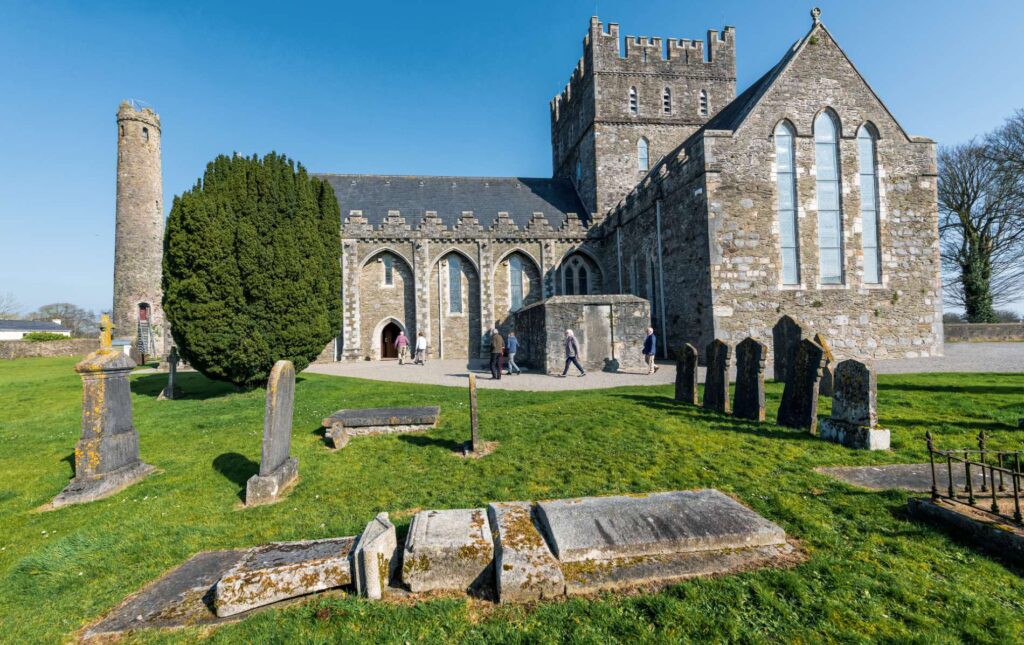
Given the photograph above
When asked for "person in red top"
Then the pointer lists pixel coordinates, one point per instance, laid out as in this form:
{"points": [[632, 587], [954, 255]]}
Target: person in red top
{"points": [[402, 345]]}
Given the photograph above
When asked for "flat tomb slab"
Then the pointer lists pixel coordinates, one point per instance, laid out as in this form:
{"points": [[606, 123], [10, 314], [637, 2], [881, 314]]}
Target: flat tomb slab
{"points": [[448, 550], [282, 570], [916, 478], [524, 568], [601, 528], [367, 421]]}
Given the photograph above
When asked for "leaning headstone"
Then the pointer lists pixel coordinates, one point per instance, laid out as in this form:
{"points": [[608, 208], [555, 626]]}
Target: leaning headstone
{"points": [[375, 558], [799, 406], [171, 391], [686, 375], [107, 454], [750, 360], [474, 422], [278, 468], [825, 387], [716, 380], [786, 336], [854, 409]]}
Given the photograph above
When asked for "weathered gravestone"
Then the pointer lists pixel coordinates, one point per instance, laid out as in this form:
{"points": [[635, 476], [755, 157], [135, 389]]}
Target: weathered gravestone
{"points": [[786, 336], [375, 557], [799, 406], [854, 406], [171, 391], [686, 375], [474, 421], [750, 359], [107, 454], [716, 380], [828, 369], [278, 468]]}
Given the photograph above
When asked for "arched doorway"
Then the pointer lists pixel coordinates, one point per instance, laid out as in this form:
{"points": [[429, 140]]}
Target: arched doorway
{"points": [[387, 340]]}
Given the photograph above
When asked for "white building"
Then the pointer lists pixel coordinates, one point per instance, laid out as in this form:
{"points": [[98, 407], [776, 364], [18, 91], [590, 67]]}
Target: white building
{"points": [[16, 329]]}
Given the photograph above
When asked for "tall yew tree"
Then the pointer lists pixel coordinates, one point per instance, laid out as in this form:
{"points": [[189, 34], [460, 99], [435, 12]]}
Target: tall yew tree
{"points": [[251, 269]]}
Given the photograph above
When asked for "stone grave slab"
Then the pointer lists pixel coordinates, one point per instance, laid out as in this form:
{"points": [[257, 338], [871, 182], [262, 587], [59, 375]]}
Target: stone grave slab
{"points": [[283, 570], [373, 421], [716, 378], [828, 370], [524, 568], [686, 375], [750, 360], [799, 405], [374, 557], [600, 528], [278, 469], [854, 409], [915, 478], [448, 550], [786, 336]]}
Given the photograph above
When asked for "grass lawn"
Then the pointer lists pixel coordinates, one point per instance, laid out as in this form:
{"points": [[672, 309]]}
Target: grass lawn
{"points": [[871, 574]]}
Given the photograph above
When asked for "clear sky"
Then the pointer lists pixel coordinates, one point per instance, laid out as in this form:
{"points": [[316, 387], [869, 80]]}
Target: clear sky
{"points": [[443, 87]]}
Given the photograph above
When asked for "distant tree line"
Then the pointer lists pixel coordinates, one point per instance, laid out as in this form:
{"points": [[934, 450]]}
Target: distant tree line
{"points": [[981, 221]]}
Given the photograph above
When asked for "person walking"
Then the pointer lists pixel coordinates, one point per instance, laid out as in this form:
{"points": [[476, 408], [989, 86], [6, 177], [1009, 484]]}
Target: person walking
{"points": [[402, 345], [421, 349], [650, 350], [511, 347], [572, 351], [497, 350]]}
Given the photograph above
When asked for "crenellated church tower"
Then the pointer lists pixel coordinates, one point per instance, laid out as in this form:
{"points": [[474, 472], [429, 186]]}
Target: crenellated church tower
{"points": [[622, 112], [139, 232]]}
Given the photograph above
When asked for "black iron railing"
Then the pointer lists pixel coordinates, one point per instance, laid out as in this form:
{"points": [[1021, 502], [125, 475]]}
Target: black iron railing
{"points": [[1001, 477]]}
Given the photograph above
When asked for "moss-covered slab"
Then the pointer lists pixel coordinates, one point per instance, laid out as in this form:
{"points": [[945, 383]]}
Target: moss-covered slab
{"points": [[524, 568], [448, 550], [374, 557]]}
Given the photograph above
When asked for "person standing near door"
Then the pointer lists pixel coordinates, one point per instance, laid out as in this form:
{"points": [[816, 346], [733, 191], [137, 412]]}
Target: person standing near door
{"points": [[497, 350], [402, 345]]}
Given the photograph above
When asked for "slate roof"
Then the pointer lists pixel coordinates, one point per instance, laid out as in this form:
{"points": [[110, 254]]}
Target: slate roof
{"points": [[413, 195], [31, 325]]}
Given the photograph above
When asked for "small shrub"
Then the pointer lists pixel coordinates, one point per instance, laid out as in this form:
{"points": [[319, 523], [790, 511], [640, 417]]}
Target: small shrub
{"points": [[42, 336]]}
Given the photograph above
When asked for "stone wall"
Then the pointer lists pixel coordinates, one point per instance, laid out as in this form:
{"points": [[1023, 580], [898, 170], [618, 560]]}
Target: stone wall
{"points": [[998, 332], [13, 349], [610, 331]]}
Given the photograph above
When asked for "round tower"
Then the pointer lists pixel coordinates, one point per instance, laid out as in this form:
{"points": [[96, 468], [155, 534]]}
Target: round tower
{"points": [[139, 231]]}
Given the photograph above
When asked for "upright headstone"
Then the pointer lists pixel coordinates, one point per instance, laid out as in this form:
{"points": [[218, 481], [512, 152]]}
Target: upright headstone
{"points": [[107, 454], [474, 422], [828, 369], [799, 406], [171, 390], [786, 336], [278, 468], [716, 380], [854, 409], [686, 375], [750, 360]]}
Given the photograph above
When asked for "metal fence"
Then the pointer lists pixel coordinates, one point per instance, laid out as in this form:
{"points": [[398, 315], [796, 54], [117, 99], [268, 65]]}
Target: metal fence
{"points": [[1001, 477]]}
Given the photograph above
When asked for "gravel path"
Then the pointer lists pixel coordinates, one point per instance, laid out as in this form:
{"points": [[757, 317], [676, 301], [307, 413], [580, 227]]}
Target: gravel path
{"points": [[959, 357]]}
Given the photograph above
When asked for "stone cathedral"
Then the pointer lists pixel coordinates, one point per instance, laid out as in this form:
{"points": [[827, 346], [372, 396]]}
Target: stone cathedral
{"points": [[800, 195]]}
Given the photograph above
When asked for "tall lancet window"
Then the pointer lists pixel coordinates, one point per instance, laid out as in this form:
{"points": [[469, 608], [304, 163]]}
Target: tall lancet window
{"points": [[830, 214], [643, 157], [785, 177], [454, 285], [866, 138]]}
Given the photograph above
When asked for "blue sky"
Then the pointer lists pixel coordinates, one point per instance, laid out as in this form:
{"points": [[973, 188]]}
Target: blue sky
{"points": [[453, 87]]}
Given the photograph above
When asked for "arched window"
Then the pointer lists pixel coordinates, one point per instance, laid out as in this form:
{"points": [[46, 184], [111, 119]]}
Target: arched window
{"points": [[785, 177], [577, 277], [702, 103], [389, 270], [642, 155], [454, 285], [830, 219], [866, 138], [633, 104], [570, 281], [666, 100], [579, 172], [515, 281], [145, 133]]}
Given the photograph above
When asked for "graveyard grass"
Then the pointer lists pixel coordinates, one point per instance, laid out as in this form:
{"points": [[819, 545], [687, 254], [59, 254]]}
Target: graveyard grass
{"points": [[871, 573]]}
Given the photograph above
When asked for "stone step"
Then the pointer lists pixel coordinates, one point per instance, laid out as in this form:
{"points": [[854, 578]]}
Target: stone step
{"points": [[448, 550], [524, 568]]}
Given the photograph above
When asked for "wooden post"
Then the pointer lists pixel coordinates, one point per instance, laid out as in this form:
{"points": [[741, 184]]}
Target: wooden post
{"points": [[474, 437]]}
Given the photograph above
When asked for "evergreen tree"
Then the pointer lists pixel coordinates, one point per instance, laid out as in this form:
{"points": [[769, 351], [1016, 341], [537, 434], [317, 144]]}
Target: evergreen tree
{"points": [[251, 269]]}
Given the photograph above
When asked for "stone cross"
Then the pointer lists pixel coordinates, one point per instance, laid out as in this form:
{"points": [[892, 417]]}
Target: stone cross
{"points": [[106, 328], [474, 422], [799, 406], [172, 373], [716, 380], [786, 335], [854, 409], [686, 375], [278, 468], [750, 360], [107, 454], [828, 370]]}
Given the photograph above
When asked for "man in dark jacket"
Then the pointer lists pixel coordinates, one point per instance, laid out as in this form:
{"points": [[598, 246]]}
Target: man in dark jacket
{"points": [[650, 350], [497, 349]]}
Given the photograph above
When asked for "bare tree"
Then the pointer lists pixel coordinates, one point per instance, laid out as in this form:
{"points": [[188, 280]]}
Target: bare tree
{"points": [[10, 308], [981, 222], [81, 322]]}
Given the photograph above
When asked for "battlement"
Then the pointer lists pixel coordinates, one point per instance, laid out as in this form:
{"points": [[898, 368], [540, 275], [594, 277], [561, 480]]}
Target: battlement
{"points": [[127, 111]]}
